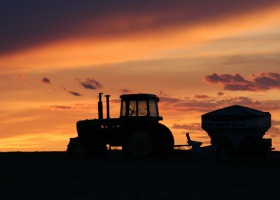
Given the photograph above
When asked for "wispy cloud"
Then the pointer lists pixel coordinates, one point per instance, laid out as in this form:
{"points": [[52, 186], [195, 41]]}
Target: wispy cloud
{"points": [[45, 80], [124, 91], [188, 127], [211, 103], [275, 122], [258, 82], [200, 96], [274, 132], [90, 83], [77, 94], [59, 107]]}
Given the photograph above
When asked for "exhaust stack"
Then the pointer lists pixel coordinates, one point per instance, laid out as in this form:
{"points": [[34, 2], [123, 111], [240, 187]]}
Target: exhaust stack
{"points": [[100, 106], [107, 106]]}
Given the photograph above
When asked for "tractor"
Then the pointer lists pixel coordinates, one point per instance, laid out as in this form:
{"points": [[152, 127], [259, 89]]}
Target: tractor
{"points": [[137, 131]]}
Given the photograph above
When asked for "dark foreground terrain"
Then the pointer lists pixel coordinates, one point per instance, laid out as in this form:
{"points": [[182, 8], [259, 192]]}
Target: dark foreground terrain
{"points": [[186, 175]]}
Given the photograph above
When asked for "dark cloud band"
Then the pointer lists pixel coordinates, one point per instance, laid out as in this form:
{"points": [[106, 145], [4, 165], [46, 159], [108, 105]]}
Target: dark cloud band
{"points": [[26, 24]]}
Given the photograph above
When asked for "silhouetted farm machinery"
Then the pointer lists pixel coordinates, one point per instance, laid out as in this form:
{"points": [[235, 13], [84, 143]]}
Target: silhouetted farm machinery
{"points": [[137, 130], [233, 130], [238, 130]]}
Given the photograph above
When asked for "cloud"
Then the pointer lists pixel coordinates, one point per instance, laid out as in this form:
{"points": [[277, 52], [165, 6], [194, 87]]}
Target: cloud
{"points": [[187, 103], [169, 100], [230, 82], [212, 103], [266, 81], [77, 94], [58, 107], [274, 132], [91, 84], [45, 80], [166, 99], [190, 126], [28, 24], [200, 96], [125, 91], [258, 82], [275, 122]]}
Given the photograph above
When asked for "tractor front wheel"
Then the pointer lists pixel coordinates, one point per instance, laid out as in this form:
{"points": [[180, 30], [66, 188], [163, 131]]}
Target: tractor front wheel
{"points": [[81, 148], [76, 148]]}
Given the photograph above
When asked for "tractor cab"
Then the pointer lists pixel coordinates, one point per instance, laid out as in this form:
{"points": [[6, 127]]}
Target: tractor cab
{"points": [[139, 105]]}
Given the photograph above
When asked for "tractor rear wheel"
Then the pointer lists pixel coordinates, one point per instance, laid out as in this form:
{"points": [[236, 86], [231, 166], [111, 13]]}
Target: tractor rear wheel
{"points": [[166, 140], [140, 142]]}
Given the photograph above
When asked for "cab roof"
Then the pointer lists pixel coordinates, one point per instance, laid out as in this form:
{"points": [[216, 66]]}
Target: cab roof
{"points": [[139, 97]]}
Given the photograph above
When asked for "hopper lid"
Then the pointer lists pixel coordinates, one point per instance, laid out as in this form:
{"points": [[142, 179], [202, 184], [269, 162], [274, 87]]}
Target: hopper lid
{"points": [[236, 110]]}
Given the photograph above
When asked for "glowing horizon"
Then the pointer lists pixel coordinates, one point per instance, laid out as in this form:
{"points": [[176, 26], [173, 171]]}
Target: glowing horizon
{"points": [[195, 57]]}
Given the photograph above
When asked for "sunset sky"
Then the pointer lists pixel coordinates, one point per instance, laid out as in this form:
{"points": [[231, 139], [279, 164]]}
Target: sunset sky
{"points": [[197, 56]]}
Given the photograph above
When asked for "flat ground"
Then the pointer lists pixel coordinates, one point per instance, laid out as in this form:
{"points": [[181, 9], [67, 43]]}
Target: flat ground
{"points": [[186, 175]]}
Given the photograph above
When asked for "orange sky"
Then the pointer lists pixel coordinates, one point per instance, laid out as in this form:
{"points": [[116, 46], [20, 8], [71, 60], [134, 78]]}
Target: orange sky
{"points": [[194, 58]]}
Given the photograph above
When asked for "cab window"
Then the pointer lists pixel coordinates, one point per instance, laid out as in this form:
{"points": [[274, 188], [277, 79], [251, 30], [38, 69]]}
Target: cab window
{"points": [[133, 108], [123, 109], [142, 108], [153, 108]]}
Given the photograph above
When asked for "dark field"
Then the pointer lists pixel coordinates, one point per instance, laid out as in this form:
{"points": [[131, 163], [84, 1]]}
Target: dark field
{"points": [[186, 175]]}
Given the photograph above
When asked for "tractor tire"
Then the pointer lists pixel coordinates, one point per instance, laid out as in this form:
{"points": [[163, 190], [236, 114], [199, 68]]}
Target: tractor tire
{"points": [[140, 142], [99, 149], [166, 140], [81, 148], [77, 148]]}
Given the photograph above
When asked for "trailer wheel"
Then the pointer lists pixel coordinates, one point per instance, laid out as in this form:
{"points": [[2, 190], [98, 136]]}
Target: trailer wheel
{"points": [[224, 151], [140, 142]]}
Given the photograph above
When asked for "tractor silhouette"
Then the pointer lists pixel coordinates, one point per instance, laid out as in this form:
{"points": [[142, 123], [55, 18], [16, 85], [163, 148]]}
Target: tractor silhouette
{"points": [[137, 130]]}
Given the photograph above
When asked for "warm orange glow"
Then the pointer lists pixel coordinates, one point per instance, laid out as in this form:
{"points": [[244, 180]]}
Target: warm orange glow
{"points": [[88, 52], [169, 61]]}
